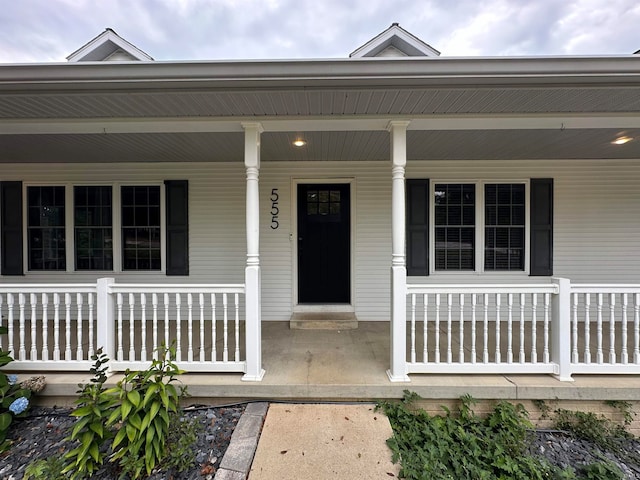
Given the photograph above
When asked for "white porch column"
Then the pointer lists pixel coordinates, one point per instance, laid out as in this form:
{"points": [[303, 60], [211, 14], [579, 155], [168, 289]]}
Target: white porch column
{"points": [[105, 318], [253, 306], [398, 370]]}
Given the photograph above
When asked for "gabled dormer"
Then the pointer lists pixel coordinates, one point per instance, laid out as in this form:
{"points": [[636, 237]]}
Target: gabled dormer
{"points": [[395, 42], [109, 47]]}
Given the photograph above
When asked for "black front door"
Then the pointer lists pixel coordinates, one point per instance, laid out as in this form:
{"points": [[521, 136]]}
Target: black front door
{"points": [[324, 243]]}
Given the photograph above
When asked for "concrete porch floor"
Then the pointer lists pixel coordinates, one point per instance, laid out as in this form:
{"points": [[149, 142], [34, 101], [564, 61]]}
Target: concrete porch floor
{"points": [[350, 365]]}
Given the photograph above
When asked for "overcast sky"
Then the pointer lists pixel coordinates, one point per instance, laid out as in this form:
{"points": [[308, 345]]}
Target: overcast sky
{"points": [[49, 30]]}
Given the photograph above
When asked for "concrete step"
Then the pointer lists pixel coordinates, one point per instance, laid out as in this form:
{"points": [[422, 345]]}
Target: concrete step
{"points": [[323, 321]]}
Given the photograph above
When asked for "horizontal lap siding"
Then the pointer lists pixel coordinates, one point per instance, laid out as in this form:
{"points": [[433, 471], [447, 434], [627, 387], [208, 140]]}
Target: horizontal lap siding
{"points": [[596, 217]]}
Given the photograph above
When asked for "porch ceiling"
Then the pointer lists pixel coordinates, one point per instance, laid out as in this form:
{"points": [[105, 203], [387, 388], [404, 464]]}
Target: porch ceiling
{"points": [[588, 143]]}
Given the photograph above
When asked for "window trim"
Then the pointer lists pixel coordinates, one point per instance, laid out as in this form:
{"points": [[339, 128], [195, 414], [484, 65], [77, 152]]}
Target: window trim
{"points": [[479, 227], [116, 226]]}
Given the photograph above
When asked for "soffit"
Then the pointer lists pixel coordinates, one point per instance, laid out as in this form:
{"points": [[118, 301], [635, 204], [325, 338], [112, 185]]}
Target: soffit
{"points": [[319, 102], [321, 146]]}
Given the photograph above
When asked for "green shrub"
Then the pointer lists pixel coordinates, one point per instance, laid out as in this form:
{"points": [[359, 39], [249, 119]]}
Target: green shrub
{"points": [[95, 405], [144, 402]]}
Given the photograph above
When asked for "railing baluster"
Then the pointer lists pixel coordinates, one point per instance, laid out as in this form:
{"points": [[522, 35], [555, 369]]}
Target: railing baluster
{"points": [[485, 345], [154, 306], [574, 330], [449, 333], [237, 304], [534, 328], [178, 328], [600, 353], [214, 353], [612, 328], [636, 329], [79, 305], [461, 349], [10, 325], [22, 351], [56, 327], [225, 351], [437, 334], [166, 320], [510, 328], [33, 301], [545, 352], [67, 320], [522, 304], [120, 353], [624, 354], [413, 328], [498, 358], [190, 327], [425, 331], [143, 327], [201, 304], [90, 351], [587, 328], [45, 327], [132, 327], [473, 328]]}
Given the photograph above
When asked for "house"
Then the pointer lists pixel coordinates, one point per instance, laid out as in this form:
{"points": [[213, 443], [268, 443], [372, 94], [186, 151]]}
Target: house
{"points": [[486, 210]]}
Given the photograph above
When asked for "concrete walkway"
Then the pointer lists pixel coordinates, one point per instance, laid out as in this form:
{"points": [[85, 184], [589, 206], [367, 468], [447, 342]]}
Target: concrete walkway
{"points": [[309, 441], [320, 441]]}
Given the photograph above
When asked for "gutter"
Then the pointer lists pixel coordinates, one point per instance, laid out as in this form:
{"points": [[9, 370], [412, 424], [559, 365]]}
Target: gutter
{"points": [[304, 74]]}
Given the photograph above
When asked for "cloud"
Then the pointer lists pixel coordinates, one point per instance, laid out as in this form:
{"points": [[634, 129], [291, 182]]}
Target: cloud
{"points": [[49, 30]]}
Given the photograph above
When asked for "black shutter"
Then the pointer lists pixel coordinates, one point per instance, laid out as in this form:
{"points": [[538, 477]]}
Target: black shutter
{"points": [[11, 228], [541, 227], [177, 198], [418, 227]]}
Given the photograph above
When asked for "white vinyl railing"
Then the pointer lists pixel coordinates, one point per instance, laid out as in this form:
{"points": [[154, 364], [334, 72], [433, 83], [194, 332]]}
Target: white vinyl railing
{"points": [[605, 328], [59, 327], [555, 328], [481, 329]]}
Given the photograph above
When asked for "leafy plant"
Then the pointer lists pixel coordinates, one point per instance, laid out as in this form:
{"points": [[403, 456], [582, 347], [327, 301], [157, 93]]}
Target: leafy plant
{"points": [[46, 469], [183, 434], [14, 398], [94, 407], [589, 426], [145, 401], [603, 470], [462, 445]]}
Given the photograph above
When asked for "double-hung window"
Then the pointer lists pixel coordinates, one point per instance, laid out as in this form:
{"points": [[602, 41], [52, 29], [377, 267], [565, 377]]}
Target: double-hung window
{"points": [[46, 228], [93, 227], [479, 226]]}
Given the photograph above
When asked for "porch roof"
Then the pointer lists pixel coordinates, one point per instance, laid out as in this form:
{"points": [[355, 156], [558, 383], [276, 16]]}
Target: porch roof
{"points": [[459, 108]]}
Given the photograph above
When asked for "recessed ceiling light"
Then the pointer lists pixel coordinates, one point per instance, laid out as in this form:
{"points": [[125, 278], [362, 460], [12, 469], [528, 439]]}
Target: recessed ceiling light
{"points": [[298, 142], [621, 140]]}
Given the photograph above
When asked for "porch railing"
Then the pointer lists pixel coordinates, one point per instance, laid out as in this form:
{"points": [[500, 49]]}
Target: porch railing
{"points": [[556, 328], [59, 327]]}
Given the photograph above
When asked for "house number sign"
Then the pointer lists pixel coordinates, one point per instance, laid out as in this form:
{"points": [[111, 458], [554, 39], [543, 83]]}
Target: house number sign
{"points": [[274, 209]]}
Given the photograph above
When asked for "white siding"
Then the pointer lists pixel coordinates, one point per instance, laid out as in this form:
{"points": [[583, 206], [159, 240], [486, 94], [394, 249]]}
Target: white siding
{"points": [[597, 220]]}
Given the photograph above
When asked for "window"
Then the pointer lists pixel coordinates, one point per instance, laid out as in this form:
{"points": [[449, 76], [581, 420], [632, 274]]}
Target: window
{"points": [[141, 228], [479, 227], [504, 220], [455, 220], [93, 227], [46, 228]]}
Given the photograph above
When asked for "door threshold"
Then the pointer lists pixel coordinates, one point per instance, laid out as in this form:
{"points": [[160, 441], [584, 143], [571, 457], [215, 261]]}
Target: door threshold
{"points": [[324, 308], [322, 320]]}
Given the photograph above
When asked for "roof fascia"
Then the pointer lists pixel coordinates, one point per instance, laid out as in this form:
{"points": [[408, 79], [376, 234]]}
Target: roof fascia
{"points": [[354, 73]]}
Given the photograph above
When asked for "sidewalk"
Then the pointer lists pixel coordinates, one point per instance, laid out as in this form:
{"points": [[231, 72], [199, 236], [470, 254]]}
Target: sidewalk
{"points": [[310, 441]]}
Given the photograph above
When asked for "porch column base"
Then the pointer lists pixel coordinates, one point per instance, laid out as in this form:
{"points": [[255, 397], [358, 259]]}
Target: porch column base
{"points": [[253, 331], [253, 378], [397, 378]]}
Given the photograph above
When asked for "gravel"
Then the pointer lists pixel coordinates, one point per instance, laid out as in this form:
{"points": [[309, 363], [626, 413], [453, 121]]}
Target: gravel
{"points": [[42, 434]]}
